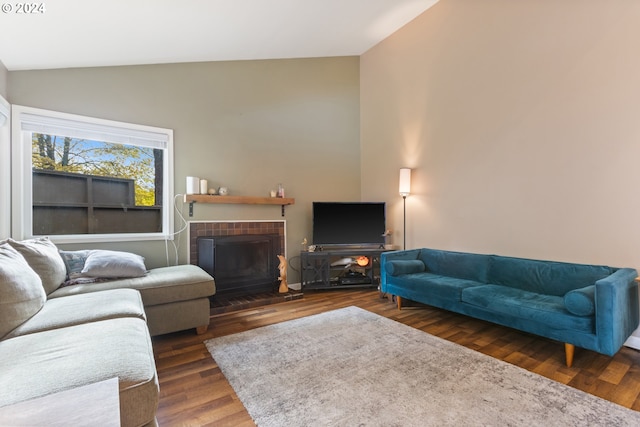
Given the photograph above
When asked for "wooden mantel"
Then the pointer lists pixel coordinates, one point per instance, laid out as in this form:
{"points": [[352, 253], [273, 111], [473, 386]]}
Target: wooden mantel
{"points": [[245, 200]]}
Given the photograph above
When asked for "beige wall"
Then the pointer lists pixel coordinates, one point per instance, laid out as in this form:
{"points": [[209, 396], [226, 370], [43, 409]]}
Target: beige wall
{"points": [[247, 125], [521, 120]]}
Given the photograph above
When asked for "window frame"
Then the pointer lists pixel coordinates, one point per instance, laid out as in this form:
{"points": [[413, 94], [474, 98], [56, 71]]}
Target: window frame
{"points": [[5, 168], [22, 173]]}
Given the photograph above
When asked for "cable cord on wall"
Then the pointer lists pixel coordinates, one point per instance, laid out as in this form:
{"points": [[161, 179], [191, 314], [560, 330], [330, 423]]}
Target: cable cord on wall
{"points": [[176, 235]]}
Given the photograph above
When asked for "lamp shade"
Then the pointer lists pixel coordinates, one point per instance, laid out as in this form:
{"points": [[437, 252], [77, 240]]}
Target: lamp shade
{"points": [[405, 182]]}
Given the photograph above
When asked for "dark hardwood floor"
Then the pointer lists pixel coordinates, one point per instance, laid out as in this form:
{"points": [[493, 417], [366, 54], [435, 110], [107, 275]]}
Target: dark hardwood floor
{"points": [[193, 391]]}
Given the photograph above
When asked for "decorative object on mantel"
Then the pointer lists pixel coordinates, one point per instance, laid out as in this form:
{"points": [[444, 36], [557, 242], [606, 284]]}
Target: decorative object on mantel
{"points": [[284, 287], [193, 185], [280, 191], [204, 186], [223, 191], [212, 191], [273, 193]]}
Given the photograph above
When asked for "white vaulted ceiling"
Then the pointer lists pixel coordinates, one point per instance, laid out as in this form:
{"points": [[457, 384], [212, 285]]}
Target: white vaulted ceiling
{"points": [[87, 33]]}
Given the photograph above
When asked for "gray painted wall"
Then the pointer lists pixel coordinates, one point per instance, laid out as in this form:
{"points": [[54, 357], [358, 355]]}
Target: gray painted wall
{"points": [[248, 125]]}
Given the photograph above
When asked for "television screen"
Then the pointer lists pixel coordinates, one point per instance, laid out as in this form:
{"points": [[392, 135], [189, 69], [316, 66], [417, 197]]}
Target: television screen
{"points": [[345, 223]]}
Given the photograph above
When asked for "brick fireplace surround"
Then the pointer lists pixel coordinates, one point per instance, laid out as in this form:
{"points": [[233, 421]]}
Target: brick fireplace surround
{"points": [[232, 228]]}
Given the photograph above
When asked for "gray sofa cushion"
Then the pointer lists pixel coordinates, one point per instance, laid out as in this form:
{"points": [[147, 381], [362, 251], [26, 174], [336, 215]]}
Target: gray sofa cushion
{"points": [[161, 285], [61, 359], [43, 257], [21, 291], [77, 309]]}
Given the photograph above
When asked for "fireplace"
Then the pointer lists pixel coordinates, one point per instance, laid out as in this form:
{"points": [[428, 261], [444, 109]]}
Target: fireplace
{"points": [[241, 256], [240, 264]]}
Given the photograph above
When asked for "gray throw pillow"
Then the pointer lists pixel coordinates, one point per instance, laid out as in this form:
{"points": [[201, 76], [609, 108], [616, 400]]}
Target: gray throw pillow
{"points": [[74, 261], [21, 291], [43, 257], [103, 263]]}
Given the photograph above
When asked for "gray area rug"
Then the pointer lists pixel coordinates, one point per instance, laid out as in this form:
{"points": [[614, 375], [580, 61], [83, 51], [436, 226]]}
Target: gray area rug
{"points": [[351, 367]]}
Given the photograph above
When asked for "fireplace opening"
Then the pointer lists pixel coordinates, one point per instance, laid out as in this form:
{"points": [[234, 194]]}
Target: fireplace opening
{"points": [[241, 265]]}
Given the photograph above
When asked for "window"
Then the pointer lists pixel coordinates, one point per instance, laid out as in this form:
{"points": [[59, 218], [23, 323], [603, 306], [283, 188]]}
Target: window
{"points": [[5, 170], [81, 179]]}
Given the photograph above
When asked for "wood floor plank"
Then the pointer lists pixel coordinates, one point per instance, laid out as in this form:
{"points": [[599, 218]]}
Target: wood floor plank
{"points": [[194, 392]]}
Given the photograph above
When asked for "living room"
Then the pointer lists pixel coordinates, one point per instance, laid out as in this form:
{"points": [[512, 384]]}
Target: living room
{"points": [[518, 120]]}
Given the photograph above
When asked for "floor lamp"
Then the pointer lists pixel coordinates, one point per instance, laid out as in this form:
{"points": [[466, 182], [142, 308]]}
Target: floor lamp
{"points": [[405, 189]]}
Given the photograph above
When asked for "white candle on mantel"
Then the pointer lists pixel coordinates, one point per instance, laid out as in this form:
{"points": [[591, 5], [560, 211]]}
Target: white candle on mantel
{"points": [[204, 189]]}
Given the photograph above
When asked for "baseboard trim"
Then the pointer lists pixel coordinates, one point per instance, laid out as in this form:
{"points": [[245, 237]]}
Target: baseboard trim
{"points": [[633, 342], [295, 286]]}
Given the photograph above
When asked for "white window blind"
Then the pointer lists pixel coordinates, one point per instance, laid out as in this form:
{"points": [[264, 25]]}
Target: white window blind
{"points": [[27, 120], [104, 131]]}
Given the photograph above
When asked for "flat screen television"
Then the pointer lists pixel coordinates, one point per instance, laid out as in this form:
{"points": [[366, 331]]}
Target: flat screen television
{"points": [[348, 224]]}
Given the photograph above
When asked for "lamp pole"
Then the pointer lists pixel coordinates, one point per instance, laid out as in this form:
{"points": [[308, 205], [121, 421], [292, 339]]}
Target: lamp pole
{"points": [[404, 222], [404, 190]]}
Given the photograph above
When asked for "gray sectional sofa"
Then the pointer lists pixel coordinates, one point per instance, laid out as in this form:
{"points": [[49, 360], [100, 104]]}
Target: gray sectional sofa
{"points": [[175, 298], [589, 306], [55, 338]]}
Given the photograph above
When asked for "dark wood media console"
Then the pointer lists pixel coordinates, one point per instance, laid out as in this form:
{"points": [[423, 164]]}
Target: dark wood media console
{"points": [[340, 268]]}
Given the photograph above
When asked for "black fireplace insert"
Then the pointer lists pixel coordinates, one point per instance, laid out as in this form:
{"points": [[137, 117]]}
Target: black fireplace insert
{"points": [[241, 265]]}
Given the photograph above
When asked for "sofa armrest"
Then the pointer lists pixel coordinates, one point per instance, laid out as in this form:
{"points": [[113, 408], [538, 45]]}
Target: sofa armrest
{"points": [[411, 254], [617, 311]]}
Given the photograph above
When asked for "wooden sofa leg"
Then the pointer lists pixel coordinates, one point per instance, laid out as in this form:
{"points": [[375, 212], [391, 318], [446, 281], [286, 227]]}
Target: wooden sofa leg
{"points": [[399, 301], [569, 349], [201, 329]]}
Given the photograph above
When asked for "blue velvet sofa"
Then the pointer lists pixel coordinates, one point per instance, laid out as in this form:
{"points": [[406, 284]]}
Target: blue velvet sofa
{"points": [[589, 306]]}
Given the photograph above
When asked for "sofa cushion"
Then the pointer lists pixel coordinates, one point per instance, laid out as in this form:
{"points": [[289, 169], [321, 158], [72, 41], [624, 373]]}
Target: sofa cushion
{"points": [[548, 310], [544, 277], [581, 302], [404, 266], [434, 285], [456, 264], [61, 359], [43, 257], [112, 264], [21, 291], [77, 309], [161, 285]]}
